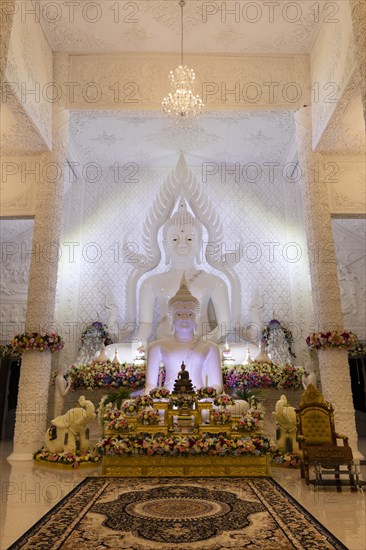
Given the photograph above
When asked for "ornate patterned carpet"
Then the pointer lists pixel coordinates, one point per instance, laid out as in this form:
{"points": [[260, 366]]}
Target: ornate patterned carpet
{"points": [[184, 513]]}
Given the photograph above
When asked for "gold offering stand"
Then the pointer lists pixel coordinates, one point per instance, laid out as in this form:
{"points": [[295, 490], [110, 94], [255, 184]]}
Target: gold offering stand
{"points": [[186, 418], [190, 421], [185, 415]]}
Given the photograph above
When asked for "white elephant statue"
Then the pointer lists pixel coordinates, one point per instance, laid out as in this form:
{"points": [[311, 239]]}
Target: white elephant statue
{"points": [[285, 417], [69, 431]]}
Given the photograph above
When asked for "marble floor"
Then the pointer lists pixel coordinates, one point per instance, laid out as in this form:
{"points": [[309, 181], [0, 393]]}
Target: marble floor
{"points": [[28, 492]]}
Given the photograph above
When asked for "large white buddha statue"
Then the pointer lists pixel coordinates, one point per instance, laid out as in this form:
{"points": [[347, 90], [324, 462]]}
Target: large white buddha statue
{"points": [[182, 240], [202, 358]]}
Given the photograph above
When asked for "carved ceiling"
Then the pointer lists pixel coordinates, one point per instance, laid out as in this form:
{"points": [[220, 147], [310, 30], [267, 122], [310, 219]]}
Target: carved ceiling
{"points": [[153, 25], [210, 27], [109, 137]]}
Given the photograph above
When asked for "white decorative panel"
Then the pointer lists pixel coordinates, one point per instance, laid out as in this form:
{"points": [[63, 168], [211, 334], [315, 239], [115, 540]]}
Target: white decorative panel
{"points": [[210, 27], [350, 245], [345, 177], [139, 81], [332, 61], [18, 186], [262, 224], [16, 247], [29, 71]]}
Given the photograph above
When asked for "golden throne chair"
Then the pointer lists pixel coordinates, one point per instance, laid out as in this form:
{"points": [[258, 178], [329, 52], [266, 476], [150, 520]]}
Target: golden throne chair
{"points": [[318, 442]]}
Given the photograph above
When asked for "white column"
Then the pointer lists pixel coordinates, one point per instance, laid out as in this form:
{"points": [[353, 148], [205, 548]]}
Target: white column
{"points": [[358, 12], [333, 363], [31, 414]]}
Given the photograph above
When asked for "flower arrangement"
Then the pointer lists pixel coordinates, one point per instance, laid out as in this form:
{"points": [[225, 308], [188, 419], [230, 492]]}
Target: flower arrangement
{"points": [[9, 351], [37, 341], [183, 445], [252, 419], [182, 401], [95, 375], [121, 424], [358, 349], [263, 375], [114, 419], [111, 413], [159, 393], [335, 339], [221, 416], [223, 400], [284, 458], [148, 416], [266, 331], [142, 401], [72, 459], [238, 377], [129, 407], [98, 328], [206, 392]]}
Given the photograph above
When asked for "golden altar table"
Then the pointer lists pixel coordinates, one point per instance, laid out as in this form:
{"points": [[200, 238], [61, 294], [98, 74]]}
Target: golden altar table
{"points": [[185, 466]]}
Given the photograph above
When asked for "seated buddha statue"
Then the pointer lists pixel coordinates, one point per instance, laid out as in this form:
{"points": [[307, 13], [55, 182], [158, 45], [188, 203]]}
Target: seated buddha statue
{"points": [[202, 358], [183, 384], [182, 240]]}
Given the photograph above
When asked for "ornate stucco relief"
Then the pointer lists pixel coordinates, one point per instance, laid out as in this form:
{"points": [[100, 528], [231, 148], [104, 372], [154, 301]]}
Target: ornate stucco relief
{"points": [[19, 191], [140, 81], [29, 73], [332, 61], [230, 137], [209, 27], [350, 237], [19, 134], [358, 12], [346, 184], [301, 307], [69, 268], [16, 242], [254, 233], [345, 133]]}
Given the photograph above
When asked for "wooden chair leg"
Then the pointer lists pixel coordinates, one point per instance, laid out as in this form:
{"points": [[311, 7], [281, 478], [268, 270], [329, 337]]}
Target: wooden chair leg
{"points": [[352, 480], [336, 475]]}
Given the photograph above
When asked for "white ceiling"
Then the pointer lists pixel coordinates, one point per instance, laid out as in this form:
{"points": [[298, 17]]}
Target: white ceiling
{"points": [[154, 26], [108, 137], [259, 27]]}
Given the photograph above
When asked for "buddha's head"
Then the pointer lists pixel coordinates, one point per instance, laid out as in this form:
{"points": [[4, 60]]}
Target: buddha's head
{"points": [[182, 235], [183, 309]]}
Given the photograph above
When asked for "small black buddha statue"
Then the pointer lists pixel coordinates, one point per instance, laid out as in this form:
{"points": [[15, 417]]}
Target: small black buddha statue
{"points": [[183, 384]]}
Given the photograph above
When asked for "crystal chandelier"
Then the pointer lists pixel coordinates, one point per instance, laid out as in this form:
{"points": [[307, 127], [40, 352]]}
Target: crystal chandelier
{"points": [[181, 103]]}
